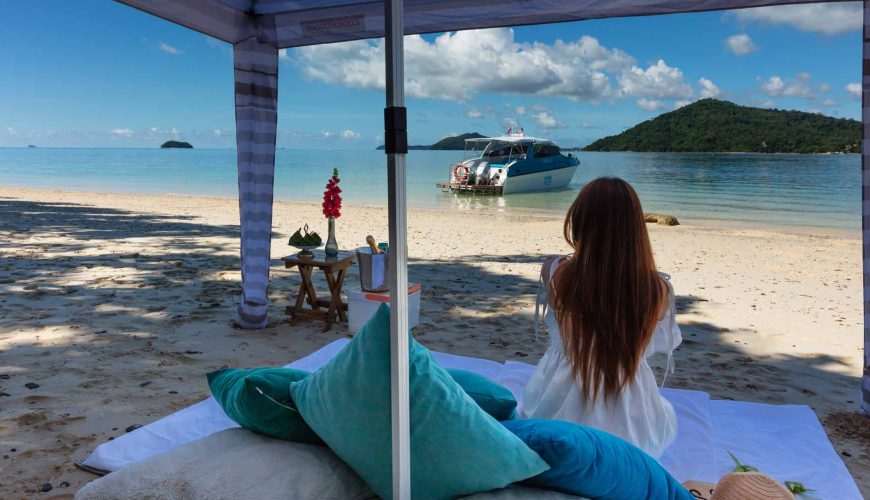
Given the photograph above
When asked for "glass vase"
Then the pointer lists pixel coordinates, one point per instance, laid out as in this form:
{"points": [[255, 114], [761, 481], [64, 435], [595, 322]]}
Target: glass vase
{"points": [[331, 245]]}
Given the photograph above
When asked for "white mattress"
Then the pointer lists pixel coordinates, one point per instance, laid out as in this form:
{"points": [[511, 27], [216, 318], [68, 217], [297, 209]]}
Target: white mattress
{"points": [[785, 441]]}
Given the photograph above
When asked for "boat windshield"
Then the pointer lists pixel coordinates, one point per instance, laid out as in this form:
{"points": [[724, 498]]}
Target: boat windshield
{"points": [[544, 150], [497, 149]]}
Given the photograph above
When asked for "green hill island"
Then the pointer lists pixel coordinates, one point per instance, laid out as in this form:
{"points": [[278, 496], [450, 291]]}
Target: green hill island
{"points": [[715, 126]]}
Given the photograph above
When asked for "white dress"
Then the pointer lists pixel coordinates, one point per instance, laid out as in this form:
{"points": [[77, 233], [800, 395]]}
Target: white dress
{"points": [[638, 414]]}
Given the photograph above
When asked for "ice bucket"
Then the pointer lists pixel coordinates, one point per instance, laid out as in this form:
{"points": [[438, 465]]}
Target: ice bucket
{"points": [[373, 270]]}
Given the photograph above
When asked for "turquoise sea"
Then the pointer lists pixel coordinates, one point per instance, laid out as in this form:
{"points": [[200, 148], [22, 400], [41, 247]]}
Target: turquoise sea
{"points": [[794, 190]]}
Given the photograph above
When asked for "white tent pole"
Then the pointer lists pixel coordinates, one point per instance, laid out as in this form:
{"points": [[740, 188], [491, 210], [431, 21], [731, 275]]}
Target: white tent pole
{"points": [[396, 147], [865, 198]]}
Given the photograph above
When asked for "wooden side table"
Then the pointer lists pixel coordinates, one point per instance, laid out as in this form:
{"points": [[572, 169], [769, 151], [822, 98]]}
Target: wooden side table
{"points": [[335, 269]]}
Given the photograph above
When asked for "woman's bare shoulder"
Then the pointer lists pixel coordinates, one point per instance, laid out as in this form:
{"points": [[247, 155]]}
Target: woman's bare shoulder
{"points": [[547, 266]]}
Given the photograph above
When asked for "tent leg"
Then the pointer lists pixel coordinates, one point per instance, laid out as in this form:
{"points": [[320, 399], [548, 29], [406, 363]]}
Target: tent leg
{"points": [[255, 60], [396, 147], [865, 198]]}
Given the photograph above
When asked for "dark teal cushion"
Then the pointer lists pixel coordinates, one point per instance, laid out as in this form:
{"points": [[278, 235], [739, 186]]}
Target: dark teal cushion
{"points": [[269, 412], [456, 448], [492, 398], [594, 464]]}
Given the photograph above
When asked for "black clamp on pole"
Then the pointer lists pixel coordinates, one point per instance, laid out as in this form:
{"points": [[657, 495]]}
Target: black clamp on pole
{"points": [[396, 130]]}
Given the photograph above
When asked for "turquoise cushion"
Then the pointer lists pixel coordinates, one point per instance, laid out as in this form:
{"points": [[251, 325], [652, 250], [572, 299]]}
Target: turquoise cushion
{"points": [[594, 464], [492, 398], [269, 412], [456, 448]]}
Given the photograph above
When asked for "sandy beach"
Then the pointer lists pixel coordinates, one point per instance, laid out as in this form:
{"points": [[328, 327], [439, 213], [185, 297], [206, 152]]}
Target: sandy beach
{"points": [[113, 307]]}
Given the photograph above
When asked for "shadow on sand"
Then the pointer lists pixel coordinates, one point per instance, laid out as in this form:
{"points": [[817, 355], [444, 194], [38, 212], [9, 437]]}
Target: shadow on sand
{"points": [[81, 286]]}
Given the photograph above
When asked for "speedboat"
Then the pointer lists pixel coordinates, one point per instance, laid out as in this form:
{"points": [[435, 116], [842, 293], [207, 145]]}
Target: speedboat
{"points": [[511, 164]]}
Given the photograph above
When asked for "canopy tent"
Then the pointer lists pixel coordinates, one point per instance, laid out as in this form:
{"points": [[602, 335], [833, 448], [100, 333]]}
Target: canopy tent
{"points": [[259, 28]]}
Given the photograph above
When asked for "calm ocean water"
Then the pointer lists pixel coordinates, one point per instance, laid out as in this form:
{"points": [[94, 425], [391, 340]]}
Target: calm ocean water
{"points": [[799, 190]]}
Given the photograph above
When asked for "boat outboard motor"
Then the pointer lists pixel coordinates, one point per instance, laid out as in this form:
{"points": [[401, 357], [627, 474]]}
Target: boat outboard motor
{"points": [[481, 173]]}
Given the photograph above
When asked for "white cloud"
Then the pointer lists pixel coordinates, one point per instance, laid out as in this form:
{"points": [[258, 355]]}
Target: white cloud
{"points": [[773, 86], [282, 55], [474, 113], [450, 67], [829, 102], [545, 119], [650, 104], [824, 18], [854, 90], [457, 66], [767, 104], [121, 132], [680, 104], [169, 49], [521, 110], [350, 134], [740, 44], [708, 88], [589, 125], [11, 131], [326, 134], [801, 86], [658, 81]]}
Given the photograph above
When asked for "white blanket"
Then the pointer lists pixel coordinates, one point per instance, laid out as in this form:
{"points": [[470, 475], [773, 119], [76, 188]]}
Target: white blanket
{"points": [[785, 441]]}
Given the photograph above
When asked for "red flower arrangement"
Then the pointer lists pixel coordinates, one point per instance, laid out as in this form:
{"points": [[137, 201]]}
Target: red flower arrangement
{"points": [[332, 197]]}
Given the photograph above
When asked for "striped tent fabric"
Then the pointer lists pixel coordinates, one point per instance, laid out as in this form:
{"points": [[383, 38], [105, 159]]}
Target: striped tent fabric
{"points": [[865, 199], [256, 89]]}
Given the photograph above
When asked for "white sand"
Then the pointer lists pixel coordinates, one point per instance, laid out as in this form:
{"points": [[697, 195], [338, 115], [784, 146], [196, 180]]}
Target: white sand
{"points": [[117, 305]]}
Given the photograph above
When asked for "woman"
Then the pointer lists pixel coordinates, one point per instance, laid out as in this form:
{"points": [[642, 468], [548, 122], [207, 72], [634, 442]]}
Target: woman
{"points": [[609, 309]]}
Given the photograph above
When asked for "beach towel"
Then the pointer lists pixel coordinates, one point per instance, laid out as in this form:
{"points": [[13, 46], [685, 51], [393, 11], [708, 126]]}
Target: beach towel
{"points": [[785, 441]]}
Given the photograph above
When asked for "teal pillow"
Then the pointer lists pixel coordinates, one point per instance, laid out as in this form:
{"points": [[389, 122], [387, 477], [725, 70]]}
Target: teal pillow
{"points": [[492, 398], [456, 448], [594, 464], [269, 412]]}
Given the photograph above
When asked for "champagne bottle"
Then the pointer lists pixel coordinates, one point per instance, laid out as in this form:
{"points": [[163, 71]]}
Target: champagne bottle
{"points": [[371, 242]]}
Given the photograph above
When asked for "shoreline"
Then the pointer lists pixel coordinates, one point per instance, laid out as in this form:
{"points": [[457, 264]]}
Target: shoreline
{"points": [[117, 305], [695, 222]]}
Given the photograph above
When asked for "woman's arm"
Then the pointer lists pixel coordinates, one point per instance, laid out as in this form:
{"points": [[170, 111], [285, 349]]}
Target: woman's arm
{"points": [[667, 335]]}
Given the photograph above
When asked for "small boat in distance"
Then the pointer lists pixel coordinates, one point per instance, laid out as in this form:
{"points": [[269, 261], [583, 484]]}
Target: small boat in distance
{"points": [[511, 163]]}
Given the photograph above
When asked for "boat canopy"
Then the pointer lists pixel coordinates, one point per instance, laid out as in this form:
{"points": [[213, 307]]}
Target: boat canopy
{"points": [[518, 139]]}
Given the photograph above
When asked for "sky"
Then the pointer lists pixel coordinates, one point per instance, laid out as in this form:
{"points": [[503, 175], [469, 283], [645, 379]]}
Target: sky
{"points": [[99, 74]]}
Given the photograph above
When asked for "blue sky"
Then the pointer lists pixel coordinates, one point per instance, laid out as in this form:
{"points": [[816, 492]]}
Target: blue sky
{"points": [[105, 75]]}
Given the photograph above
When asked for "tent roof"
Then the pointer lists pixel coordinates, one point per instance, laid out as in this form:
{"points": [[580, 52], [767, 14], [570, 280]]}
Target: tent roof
{"points": [[311, 22]]}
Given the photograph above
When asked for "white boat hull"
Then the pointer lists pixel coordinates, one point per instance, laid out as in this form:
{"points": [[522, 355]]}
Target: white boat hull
{"points": [[539, 181]]}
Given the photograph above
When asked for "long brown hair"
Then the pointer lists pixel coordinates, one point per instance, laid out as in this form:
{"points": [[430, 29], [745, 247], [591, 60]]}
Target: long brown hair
{"points": [[608, 294]]}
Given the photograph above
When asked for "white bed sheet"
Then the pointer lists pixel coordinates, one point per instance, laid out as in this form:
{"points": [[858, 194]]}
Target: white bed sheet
{"points": [[786, 441]]}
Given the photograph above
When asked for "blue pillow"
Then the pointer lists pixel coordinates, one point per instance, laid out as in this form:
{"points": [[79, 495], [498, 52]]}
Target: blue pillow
{"points": [[259, 400], [594, 464], [456, 448], [492, 398]]}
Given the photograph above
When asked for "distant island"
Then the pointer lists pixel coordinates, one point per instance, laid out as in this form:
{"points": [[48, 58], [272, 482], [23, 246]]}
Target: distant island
{"points": [[715, 126], [176, 144], [447, 143]]}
